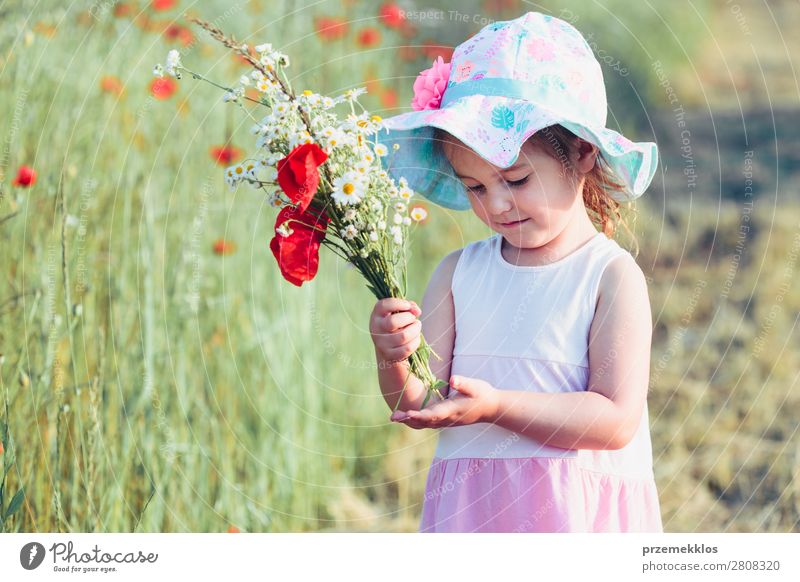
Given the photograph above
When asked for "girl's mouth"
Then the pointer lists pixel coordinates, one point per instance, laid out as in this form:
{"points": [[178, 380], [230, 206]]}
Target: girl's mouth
{"points": [[512, 224]]}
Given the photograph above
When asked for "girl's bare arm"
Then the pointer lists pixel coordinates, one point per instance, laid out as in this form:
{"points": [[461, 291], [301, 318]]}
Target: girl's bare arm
{"points": [[395, 332], [608, 413]]}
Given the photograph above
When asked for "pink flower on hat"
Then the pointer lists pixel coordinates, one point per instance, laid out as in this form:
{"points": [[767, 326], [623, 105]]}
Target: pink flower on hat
{"points": [[430, 85]]}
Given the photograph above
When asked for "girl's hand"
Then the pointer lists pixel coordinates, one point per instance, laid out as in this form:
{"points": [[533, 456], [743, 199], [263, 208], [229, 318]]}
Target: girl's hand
{"points": [[395, 329], [474, 401]]}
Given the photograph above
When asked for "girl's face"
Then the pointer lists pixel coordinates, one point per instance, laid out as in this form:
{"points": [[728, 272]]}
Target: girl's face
{"points": [[531, 202]]}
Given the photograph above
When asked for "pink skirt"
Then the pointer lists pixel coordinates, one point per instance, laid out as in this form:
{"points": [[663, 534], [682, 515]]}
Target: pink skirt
{"points": [[536, 494]]}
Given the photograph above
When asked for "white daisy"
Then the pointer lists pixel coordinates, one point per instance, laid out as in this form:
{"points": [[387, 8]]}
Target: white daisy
{"points": [[399, 206], [349, 232], [381, 150], [348, 188], [406, 193], [418, 213]]}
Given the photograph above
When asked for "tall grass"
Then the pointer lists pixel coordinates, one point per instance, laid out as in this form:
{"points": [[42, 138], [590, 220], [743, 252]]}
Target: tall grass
{"points": [[154, 386]]}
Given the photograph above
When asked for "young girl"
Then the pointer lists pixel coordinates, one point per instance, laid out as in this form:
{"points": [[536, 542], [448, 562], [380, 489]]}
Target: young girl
{"points": [[543, 328]]}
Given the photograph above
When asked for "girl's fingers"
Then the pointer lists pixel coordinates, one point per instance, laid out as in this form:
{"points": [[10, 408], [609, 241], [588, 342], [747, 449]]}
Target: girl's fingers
{"points": [[394, 304], [397, 321]]}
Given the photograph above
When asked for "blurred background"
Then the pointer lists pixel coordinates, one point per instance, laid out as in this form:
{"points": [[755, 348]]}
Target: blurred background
{"points": [[157, 373]]}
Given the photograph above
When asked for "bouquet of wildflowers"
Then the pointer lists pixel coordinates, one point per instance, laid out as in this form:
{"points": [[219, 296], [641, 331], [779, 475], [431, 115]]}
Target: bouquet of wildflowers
{"points": [[323, 175]]}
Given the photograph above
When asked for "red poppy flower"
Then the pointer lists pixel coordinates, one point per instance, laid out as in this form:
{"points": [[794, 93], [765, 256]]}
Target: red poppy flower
{"points": [[298, 175], [233, 529], [122, 9], [298, 252], [330, 28], [433, 50], [163, 87], [26, 177], [176, 32], [368, 37], [162, 5], [225, 155], [392, 15], [111, 84], [389, 98], [224, 247], [408, 52]]}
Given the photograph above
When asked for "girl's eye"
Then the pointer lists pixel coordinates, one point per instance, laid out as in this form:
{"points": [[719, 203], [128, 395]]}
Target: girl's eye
{"points": [[515, 183], [519, 182]]}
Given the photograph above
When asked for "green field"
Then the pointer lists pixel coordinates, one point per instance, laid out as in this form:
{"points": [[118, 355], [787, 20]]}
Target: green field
{"points": [[150, 384]]}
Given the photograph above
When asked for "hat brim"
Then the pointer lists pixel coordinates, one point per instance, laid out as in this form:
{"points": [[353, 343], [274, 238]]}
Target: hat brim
{"points": [[495, 128]]}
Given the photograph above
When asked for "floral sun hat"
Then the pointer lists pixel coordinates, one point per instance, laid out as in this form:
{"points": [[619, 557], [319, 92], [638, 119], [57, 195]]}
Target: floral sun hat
{"points": [[508, 81]]}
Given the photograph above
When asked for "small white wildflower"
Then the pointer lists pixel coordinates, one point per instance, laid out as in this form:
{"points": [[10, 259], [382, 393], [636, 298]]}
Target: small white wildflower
{"points": [[350, 214], [244, 80], [284, 229], [173, 63], [418, 213], [349, 232], [368, 157], [399, 206], [373, 236], [377, 206], [362, 168], [406, 220], [354, 94], [327, 102], [381, 150], [396, 146], [398, 218], [158, 71], [406, 193], [275, 200], [263, 48], [382, 225]]}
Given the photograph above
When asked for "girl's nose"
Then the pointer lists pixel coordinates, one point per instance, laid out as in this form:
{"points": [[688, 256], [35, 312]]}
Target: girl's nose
{"points": [[498, 203]]}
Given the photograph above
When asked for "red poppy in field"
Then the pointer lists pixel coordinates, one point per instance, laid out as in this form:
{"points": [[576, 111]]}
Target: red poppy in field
{"points": [[176, 32], [330, 27], [372, 85], [298, 175], [26, 177], [392, 15], [224, 247], [122, 9], [297, 252], [163, 87], [368, 37], [408, 52], [225, 155], [162, 5], [433, 50], [389, 98], [111, 84]]}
